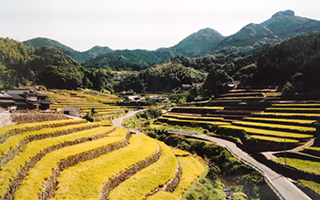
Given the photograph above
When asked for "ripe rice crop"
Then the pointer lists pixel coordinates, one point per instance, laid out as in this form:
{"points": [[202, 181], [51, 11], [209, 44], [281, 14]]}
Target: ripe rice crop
{"points": [[310, 184], [7, 131], [316, 105], [12, 142], [179, 152], [201, 108], [310, 115], [88, 178], [216, 123], [33, 185], [274, 139], [302, 165], [32, 149], [275, 120], [191, 170], [149, 179], [193, 117], [315, 110], [256, 131], [313, 148], [301, 129]]}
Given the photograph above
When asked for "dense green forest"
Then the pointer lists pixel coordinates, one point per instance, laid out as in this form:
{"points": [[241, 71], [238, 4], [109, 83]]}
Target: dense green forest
{"points": [[293, 65], [167, 77], [22, 66], [129, 59]]}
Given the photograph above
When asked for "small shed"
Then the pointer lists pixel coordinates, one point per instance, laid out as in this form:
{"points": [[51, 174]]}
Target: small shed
{"points": [[73, 111]]}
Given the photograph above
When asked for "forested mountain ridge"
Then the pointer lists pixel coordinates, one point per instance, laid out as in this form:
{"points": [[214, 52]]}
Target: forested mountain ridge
{"points": [[281, 26], [197, 43], [37, 43]]}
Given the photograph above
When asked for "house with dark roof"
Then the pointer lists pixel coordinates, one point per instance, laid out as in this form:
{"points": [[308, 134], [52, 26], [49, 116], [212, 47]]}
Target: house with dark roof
{"points": [[6, 100], [26, 98]]}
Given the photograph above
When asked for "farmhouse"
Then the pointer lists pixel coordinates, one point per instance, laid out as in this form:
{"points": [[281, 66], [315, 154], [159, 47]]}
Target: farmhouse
{"points": [[23, 99], [6, 100]]}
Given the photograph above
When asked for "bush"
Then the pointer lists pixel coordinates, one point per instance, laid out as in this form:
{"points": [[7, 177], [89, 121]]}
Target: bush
{"points": [[173, 140], [213, 173], [152, 134], [184, 145]]}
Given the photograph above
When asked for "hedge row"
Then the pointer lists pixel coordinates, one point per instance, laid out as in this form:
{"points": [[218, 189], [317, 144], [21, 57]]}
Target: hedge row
{"points": [[42, 177]]}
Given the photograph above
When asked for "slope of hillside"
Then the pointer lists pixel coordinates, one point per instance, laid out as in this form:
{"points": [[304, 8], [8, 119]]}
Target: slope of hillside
{"points": [[37, 43], [198, 42], [281, 26]]}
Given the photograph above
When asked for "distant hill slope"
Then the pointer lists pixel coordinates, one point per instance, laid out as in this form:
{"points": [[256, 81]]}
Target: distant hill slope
{"points": [[197, 43], [82, 57], [281, 26], [285, 24], [129, 59]]}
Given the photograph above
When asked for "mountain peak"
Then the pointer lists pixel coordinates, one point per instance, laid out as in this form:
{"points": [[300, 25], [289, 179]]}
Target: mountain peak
{"points": [[288, 13]]}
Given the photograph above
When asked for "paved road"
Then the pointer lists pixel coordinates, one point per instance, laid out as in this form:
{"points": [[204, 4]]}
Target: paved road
{"points": [[286, 188], [118, 122]]}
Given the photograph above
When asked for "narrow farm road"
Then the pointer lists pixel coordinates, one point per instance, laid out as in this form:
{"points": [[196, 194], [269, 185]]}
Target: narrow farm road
{"points": [[118, 121], [284, 187]]}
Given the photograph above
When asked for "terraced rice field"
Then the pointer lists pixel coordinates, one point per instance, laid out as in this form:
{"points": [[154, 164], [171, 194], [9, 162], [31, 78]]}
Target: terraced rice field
{"points": [[274, 126], [191, 169], [186, 121], [87, 100], [196, 110], [90, 161], [257, 131], [188, 117], [299, 122], [303, 165], [311, 116]]}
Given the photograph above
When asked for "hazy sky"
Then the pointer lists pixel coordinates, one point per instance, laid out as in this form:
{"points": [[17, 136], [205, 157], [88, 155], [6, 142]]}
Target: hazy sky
{"points": [[136, 24]]}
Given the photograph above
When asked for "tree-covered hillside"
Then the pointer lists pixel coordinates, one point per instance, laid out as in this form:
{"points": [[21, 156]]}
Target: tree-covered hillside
{"points": [[129, 59], [15, 60], [82, 57], [167, 77], [22, 66]]}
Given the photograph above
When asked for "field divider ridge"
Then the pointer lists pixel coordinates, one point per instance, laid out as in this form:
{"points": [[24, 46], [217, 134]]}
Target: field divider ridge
{"points": [[113, 183], [23, 171]]}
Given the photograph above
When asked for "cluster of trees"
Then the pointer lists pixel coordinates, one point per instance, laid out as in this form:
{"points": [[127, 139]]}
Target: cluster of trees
{"points": [[135, 60], [167, 77], [21, 65], [14, 63]]}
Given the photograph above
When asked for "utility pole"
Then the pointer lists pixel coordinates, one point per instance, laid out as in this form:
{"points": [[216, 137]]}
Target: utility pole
{"points": [[285, 153]]}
